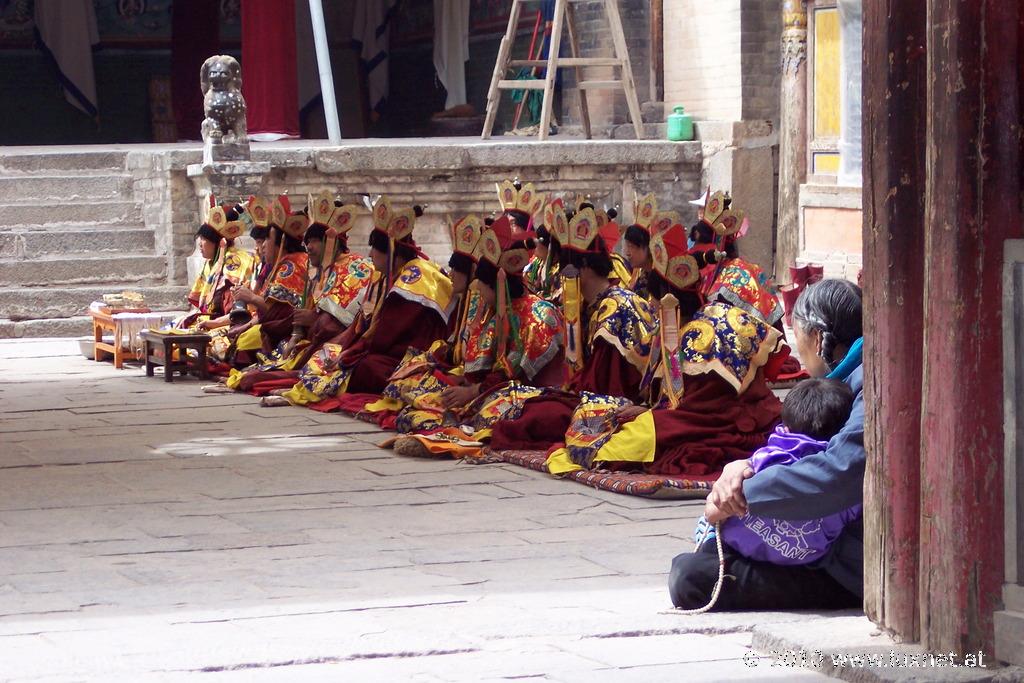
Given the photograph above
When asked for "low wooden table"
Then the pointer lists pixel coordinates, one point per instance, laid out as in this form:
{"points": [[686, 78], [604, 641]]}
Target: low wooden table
{"points": [[159, 349], [104, 321]]}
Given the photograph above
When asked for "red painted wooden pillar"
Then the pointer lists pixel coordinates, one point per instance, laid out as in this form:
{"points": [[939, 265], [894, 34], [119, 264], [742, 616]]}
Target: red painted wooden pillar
{"points": [[269, 72], [972, 204], [894, 177]]}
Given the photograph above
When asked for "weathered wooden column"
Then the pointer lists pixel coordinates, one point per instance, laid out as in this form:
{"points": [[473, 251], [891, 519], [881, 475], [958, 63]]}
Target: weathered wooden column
{"points": [[894, 179], [972, 204], [792, 133]]}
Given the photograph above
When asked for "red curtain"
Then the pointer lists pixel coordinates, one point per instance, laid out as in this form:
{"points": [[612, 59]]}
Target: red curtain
{"points": [[195, 35], [269, 81]]}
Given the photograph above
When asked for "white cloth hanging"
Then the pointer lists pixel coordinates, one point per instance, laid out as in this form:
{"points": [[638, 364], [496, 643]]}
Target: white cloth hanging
{"points": [[451, 48], [371, 29], [67, 32]]}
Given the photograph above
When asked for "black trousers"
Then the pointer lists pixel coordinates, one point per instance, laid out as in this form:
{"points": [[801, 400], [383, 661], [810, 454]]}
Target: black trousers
{"points": [[751, 585]]}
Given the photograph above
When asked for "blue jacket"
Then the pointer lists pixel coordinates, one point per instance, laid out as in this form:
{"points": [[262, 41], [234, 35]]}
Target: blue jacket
{"points": [[820, 485]]}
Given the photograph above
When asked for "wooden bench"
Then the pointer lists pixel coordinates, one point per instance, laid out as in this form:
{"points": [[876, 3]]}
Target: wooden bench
{"points": [[161, 349]]}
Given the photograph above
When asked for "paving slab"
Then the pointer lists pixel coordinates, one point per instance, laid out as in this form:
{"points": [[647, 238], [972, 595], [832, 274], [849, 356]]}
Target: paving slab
{"points": [[150, 532]]}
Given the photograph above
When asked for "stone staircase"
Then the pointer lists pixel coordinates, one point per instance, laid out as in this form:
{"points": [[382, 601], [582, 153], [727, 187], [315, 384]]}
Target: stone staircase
{"points": [[71, 231]]}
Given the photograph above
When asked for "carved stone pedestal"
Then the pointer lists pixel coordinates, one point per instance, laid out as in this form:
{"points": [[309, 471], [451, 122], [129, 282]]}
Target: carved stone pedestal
{"points": [[228, 180]]}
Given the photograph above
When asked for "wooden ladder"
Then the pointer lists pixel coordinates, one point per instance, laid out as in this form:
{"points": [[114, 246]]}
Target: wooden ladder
{"points": [[563, 13]]}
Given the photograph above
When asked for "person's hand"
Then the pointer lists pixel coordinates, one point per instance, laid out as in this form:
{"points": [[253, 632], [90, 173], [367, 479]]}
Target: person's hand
{"points": [[289, 347], [206, 325], [303, 317], [727, 493], [244, 294], [456, 397], [628, 413], [233, 332], [713, 514]]}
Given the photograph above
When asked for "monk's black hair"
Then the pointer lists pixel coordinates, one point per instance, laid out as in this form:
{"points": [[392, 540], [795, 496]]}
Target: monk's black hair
{"points": [[259, 232], [461, 263], [404, 250], [543, 235], [701, 233], [638, 236], [689, 301], [487, 273], [291, 244], [316, 231], [520, 218], [600, 261]]}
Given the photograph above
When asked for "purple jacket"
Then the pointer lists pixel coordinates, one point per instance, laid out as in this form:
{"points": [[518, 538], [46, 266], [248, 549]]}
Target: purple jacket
{"points": [[786, 542]]}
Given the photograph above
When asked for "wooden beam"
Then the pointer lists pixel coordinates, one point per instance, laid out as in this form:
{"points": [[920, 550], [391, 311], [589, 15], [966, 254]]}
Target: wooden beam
{"points": [[972, 204], [792, 135], [893, 128]]}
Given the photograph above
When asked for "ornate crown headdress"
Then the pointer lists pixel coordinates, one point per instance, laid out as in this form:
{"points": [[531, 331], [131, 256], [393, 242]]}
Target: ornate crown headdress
{"points": [[672, 258], [397, 224], [466, 235], [259, 210], [524, 199], [217, 218]]}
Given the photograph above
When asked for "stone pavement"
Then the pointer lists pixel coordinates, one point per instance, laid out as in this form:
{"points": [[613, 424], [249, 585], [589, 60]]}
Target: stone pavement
{"points": [[152, 532]]}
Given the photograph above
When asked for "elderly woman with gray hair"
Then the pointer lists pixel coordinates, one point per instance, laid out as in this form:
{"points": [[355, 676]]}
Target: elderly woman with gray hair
{"points": [[828, 328]]}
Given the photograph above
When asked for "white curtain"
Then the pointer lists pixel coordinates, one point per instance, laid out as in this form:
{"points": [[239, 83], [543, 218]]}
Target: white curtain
{"points": [[451, 48], [67, 32], [370, 28]]}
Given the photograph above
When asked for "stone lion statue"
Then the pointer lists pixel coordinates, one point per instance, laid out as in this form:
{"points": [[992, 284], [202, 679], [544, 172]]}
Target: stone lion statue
{"points": [[221, 80]]}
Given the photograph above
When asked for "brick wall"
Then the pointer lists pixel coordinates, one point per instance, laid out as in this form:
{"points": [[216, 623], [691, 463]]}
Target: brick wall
{"points": [[722, 58], [608, 107], [761, 75], [703, 65]]}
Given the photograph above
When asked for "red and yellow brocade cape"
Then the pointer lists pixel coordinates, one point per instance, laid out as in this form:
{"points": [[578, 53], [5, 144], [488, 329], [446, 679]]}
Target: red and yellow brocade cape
{"points": [[287, 284], [622, 274], [344, 287], [533, 338], [541, 278], [626, 321], [420, 281], [745, 285], [238, 268], [721, 340]]}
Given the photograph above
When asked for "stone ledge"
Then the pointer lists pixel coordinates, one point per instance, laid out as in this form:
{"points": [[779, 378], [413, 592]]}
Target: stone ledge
{"points": [[831, 196], [852, 635]]}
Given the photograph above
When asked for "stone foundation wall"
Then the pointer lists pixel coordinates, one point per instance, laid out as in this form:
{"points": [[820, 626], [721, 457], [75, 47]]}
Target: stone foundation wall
{"points": [[450, 179]]}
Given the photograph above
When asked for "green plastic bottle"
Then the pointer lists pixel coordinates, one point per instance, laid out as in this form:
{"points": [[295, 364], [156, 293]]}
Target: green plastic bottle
{"points": [[680, 125]]}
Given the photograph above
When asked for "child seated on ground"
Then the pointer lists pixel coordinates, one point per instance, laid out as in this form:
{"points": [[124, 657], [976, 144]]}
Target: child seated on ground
{"points": [[813, 412]]}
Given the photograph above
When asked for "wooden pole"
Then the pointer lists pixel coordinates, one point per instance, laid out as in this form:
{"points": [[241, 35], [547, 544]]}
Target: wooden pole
{"points": [[792, 133], [893, 128], [972, 204]]}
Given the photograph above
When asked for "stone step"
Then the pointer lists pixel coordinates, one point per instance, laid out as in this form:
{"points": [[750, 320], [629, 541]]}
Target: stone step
{"points": [[102, 213], [29, 160], [34, 189], [79, 326], [38, 243], [24, 303], [88, 269]]}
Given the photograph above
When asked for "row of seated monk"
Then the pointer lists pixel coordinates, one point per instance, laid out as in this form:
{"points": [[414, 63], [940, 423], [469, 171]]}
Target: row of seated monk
{"points": [[647, 348]]}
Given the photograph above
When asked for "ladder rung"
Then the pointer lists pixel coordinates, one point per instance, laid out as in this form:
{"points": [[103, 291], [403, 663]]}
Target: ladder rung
{"points": [[528, 84], [568, 61], [599, 85]]}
